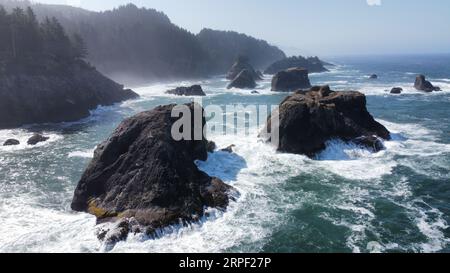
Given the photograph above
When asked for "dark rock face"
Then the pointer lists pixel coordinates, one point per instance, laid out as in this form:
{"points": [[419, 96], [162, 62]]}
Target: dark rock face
{"points": [[195, 90], [141, 172], [229, 149], [37, 138], [242, 63], [373, 77], [422, 84], [211, 146], [11, 142], [396, 90], [244, 80], [308, 119], [290, 80], [312, 64], [68, 96], [372, 142]]}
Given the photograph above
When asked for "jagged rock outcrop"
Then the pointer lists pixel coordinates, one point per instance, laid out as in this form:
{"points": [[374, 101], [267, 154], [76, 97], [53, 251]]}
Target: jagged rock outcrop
{"points": [[422, 84], [396, 90], [68, 95], [290, 80], [241, 64], [243, 80], [11, 142], [142, 173], [308, 119], [312, 64], [195, 90], [37, 138]]}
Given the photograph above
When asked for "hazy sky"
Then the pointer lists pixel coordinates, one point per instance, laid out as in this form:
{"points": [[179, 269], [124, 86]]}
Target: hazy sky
{"points": [[313, 27]]}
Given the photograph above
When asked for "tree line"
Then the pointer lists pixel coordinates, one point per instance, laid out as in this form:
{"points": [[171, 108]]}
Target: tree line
{"points": [[139, 42], [26, 41]]}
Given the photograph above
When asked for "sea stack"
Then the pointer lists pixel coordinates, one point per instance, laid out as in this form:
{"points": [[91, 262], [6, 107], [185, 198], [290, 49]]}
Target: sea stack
{"points": [[312, 64], [141, 173], [308, 119], [195, 90], [422, 84], [243, 80], [290, 80], [243, 63]]}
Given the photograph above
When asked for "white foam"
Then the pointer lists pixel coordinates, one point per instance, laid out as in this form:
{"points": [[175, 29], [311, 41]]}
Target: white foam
{"points": [[83, 154], [23, 135]]}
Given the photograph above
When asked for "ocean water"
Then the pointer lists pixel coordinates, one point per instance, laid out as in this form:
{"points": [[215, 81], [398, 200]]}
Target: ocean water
{"points": [[344, 200]]}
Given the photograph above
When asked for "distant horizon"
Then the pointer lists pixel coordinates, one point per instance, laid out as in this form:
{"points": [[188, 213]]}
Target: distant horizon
{"points": [[350, 28]]}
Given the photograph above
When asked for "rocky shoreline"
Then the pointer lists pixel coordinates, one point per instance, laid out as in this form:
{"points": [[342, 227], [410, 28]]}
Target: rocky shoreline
{"points": [[59, 97]]}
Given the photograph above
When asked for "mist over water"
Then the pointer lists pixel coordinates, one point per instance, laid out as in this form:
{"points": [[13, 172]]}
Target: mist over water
{"points": [[344, 200]]}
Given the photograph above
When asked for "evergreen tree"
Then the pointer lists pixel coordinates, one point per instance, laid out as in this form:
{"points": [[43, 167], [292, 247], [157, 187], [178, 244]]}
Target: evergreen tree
{"points": [[79, 47]]}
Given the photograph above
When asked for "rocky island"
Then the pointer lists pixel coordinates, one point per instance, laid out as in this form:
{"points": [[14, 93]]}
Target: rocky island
{"points": [[142, 175], [308, 119], [312, 64]]}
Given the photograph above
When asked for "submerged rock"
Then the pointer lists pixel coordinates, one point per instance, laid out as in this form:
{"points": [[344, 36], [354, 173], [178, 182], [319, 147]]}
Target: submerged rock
{"points": [[11, 142], [141, 172], [308, 119], [372, 142], [396, 90], [244, 80], [373, 77], [290, 80], [242, 63], [255, 92], [422, 84], [195, 90], [37, 138]]}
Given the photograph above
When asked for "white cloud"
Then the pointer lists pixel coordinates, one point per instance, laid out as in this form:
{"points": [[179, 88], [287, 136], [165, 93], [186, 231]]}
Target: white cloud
{"points": [[374, 2]]}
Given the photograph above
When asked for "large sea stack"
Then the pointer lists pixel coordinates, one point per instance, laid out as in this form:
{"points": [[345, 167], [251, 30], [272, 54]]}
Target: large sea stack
{"points": [[195, 90], [422, 84], [142, 173], [290, 80], [243, 80], [308, 119], [242, 63]]}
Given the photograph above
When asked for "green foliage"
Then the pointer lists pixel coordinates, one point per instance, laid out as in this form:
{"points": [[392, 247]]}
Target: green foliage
{"points": [[27, 44]]}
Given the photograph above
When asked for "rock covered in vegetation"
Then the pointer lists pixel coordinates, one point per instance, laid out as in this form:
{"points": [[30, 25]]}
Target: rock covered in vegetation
{"points": [[195, 90], [312, 64], [290, 80], [141, 172], [43, 77], [308, 119], [422, 84]]}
